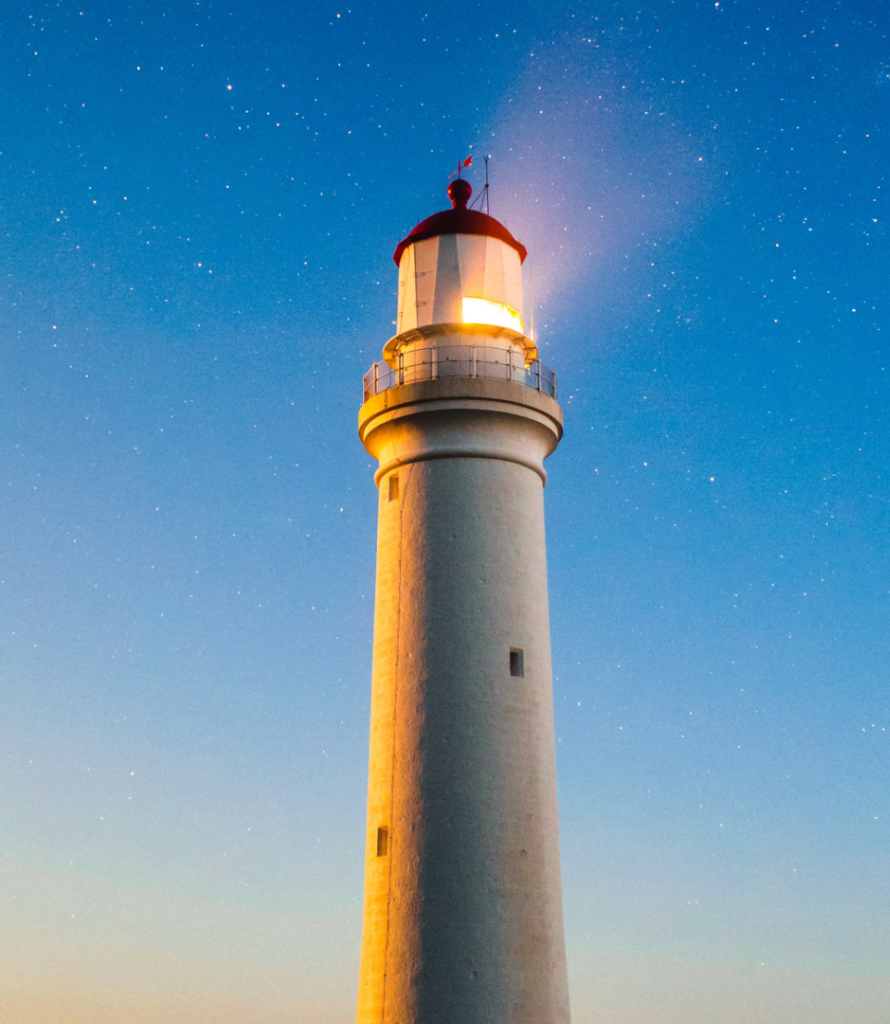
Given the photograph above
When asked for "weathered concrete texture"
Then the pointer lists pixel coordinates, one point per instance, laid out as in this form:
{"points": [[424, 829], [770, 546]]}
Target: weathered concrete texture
{"points": [[463, 912]]}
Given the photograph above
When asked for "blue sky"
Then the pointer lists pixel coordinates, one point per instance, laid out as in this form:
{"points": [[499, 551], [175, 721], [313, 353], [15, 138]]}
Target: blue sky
{"points": [[198, 208]]}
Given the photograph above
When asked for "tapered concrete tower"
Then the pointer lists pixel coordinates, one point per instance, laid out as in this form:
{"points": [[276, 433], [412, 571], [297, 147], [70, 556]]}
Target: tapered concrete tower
{"points": [[463, 905]]}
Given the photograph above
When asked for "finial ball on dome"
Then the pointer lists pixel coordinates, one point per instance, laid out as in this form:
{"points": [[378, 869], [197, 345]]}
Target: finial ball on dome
{"points": [[459, 192]]}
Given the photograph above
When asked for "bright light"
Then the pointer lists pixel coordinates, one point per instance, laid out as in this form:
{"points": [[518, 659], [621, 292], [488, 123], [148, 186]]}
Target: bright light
{"points": [[482, 311]]}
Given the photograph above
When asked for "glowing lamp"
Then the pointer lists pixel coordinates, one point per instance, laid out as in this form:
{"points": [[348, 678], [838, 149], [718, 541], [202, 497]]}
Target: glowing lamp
{"points": [[484, 311]]}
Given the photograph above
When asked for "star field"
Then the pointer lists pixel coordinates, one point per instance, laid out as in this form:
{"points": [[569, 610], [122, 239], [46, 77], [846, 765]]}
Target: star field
{"points": [[198, 208]]}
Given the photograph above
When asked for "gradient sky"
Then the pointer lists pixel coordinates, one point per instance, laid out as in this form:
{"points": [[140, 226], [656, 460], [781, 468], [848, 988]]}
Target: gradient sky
{"points": [[198, 208]]}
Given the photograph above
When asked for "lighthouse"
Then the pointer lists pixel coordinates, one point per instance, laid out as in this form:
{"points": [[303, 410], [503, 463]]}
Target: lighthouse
{"points": [[463, 903]]}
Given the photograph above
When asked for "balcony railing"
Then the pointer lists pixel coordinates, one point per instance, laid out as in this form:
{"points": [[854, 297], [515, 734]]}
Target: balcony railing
{"points": [[417, 364]]}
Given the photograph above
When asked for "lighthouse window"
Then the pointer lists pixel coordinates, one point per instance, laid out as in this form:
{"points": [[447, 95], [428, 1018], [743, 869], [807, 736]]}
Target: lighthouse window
{"points": [[517, 668], [394, 487], [484, 311], [382, 842]]}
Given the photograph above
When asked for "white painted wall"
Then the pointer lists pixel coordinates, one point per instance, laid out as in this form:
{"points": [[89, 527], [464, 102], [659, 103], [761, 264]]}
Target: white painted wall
{"points": [[463, 915]]}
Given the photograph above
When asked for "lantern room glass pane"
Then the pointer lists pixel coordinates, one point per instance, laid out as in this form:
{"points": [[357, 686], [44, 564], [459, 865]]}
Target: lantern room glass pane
{"points": [[483, 311]]}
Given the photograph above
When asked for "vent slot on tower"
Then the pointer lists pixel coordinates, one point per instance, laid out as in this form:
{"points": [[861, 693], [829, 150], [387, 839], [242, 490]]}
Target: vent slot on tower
{"points": [[517, 662], [382, 842], [393, 486]]}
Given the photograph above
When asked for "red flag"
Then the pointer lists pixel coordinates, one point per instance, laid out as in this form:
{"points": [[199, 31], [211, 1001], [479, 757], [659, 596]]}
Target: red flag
{"points": [[461, 166]]}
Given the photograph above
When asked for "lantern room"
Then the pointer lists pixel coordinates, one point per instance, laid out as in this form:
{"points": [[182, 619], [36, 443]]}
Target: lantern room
{"points": [[460, 270]]}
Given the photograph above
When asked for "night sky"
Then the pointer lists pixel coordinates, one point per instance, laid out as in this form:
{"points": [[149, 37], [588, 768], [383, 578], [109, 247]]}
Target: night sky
{"points": [[198, 208]]}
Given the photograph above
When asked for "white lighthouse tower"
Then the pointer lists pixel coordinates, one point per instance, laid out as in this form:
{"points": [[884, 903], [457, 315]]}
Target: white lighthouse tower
{"points": [[463, 905]]}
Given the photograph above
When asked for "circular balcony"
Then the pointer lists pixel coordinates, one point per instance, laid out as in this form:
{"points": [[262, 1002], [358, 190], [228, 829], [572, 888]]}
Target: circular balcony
{"points": [[472, 361]]}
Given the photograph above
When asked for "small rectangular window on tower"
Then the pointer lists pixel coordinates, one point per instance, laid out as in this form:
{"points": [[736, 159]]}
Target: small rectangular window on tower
{"points": [[517, 666], [382, 842], [394, 487]]}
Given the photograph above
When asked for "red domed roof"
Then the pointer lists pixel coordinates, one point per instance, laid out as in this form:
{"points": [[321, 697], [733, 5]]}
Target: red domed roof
{"points": [[459, 221]]}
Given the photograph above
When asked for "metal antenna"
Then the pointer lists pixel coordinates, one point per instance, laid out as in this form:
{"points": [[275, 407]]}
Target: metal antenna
{"points": [[483, 195]]}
